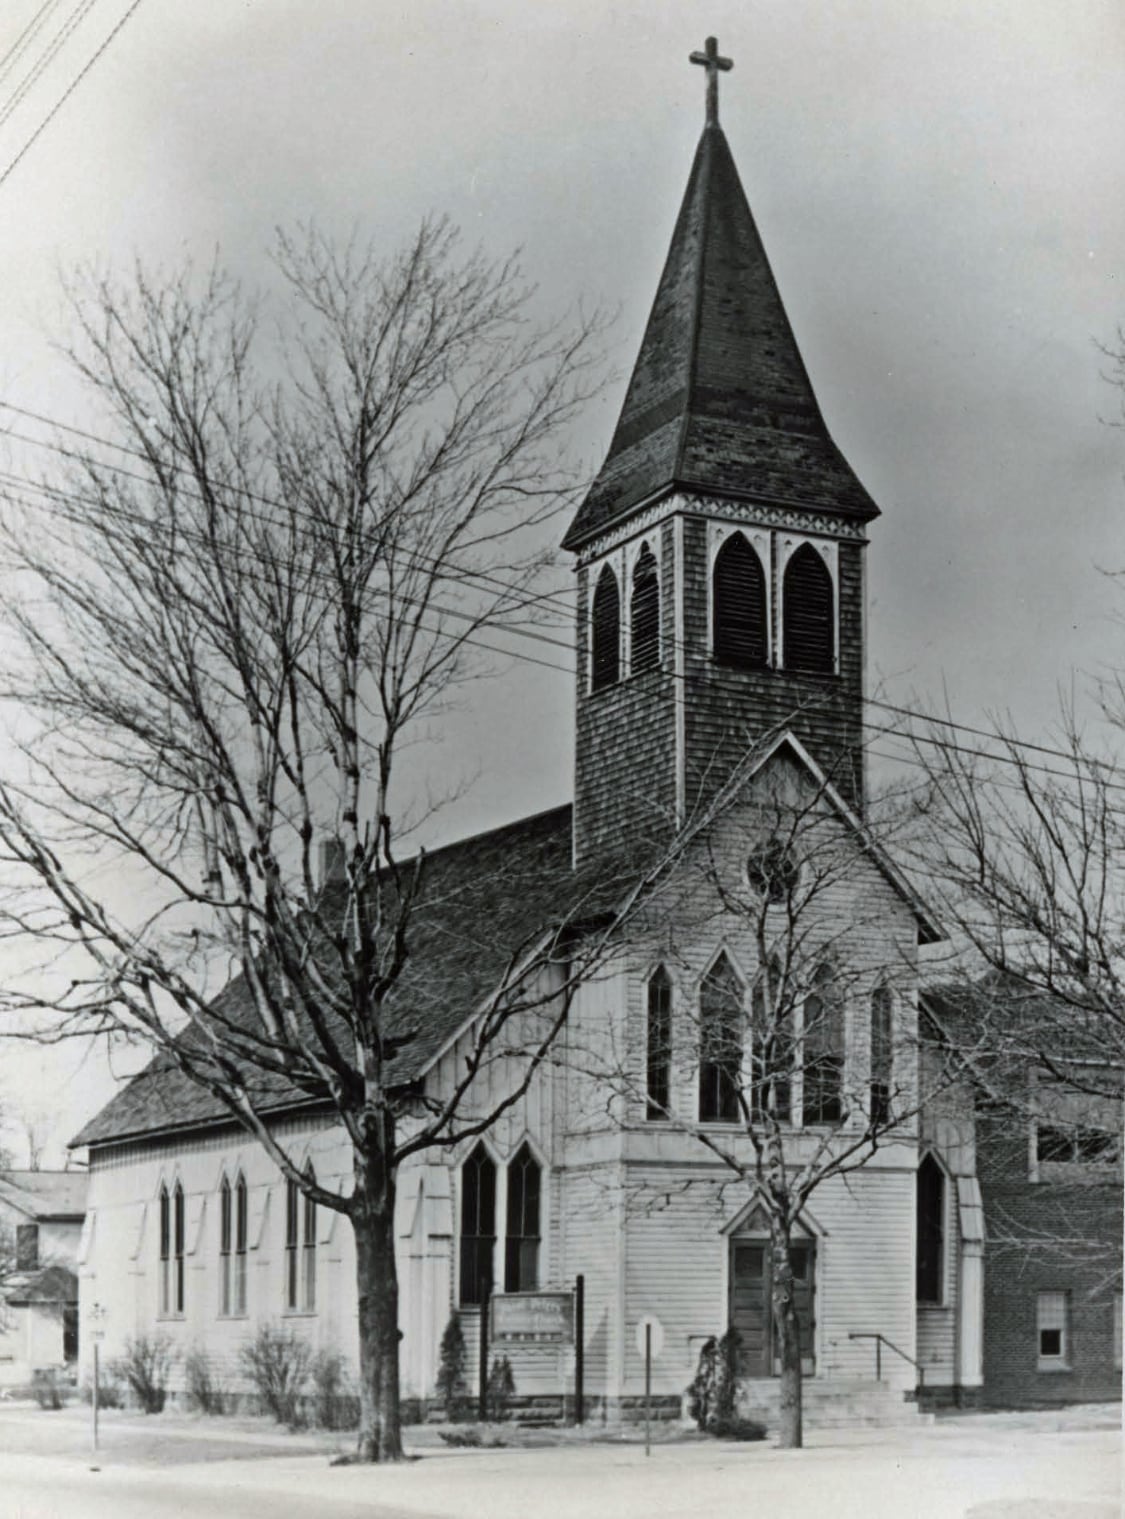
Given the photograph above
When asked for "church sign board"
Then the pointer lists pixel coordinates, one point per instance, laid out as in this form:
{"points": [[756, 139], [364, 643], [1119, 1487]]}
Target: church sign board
{"points": [[545, 1317]]}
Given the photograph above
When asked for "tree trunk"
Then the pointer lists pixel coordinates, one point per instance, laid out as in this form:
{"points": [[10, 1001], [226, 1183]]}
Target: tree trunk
{"points": [[788, 1331], [380, 1426]]}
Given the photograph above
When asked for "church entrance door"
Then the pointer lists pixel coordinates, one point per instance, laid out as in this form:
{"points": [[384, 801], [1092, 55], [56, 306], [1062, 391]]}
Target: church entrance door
{"points": [[750, 1311]]}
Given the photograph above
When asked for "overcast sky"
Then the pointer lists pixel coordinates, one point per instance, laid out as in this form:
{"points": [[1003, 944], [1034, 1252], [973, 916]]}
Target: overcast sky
{"points": [[938, 186]]}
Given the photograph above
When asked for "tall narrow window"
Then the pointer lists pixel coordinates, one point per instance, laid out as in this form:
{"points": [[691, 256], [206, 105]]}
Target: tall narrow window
{"points": [[882, 1059], [521, 1245], [822, 1061], [239, 1303], [930, 1199], [738, 606], [659, 1045], [172, 1250], [478, 1225], [300, 1247], [308, 1248], [809, 613], [605, 654], [226, 1240], [1051, 1327], [772, 1048], [644, 614], [27, 1247], [720, 1044], [165, 1251]]}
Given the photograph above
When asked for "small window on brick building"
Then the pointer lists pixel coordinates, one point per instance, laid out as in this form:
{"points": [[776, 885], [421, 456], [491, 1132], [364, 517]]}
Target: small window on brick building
{"points": [[808, 614], [1051, 1326], [930, 1244], [644, 615], [605, 632], [738, 606]]}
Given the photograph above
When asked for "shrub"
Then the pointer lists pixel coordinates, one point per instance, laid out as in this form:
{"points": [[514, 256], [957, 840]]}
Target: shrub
{"points": [[335, 1406], [277, 1361], [145, 1366], [111, 1394], [48, 1388], [451, 1388], [204, 1391], [501, 1389], [711, 1394]]}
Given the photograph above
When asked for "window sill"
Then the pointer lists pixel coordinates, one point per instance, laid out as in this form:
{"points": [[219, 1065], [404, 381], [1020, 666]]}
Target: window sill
{"points": [[227, 1318], [296, 1313], [1052, 1368], [171, 1318]]}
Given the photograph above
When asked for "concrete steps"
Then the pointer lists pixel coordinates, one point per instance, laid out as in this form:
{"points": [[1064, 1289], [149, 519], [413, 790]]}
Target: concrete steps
{"points": [[835, 1404]]}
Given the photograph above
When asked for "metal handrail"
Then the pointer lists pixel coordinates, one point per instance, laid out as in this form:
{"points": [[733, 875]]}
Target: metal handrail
{"points": [[880, 1341]]}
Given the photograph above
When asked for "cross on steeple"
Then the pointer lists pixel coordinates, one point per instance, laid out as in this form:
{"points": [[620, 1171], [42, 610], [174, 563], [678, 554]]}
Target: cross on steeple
{"points": [[711, 61]]}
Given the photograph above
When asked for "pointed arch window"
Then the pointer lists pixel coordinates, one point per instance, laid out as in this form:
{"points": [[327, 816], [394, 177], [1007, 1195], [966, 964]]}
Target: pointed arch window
{"points": [[478, 1225], [300, 1246], [720, 1044], [521, 1244], [605, 632], [773, 1048], [232, 1245], [809, 614], [930, 1198], [659, 1044], [738, 606], [823, 1052], [882, 1058], [644, 614], [172, 1250]]}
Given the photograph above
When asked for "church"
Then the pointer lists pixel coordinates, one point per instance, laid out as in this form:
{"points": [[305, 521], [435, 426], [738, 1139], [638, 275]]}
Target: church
{"points": [[720, 635]]}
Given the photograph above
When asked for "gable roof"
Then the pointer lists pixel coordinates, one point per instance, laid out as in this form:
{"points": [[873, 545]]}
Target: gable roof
{"points": [[45, 1196], [481, 898], [929, 930], [719, 400]]}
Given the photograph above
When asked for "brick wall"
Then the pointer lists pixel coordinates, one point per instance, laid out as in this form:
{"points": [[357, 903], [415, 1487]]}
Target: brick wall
{"points": [[1058, 1236]]}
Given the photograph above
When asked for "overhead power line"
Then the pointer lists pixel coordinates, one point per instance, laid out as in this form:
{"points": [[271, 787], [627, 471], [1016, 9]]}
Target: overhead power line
{"points": [[26, 37], [68, 92], [46, 58], [482, 578]]}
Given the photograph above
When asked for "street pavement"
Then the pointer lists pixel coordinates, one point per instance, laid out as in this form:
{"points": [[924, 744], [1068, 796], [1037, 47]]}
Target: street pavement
{"points": [[983, 1467]]}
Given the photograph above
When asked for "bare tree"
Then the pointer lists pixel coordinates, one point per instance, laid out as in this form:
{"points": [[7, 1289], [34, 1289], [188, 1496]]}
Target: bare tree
{"points": [[236, 613], [779, 874]]}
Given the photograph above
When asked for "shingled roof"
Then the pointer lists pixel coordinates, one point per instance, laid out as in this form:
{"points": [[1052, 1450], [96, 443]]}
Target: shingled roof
{"points": [[483, 898], [46, 1196], [720, 401]]}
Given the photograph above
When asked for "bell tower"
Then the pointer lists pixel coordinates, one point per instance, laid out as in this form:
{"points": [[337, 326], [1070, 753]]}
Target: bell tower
{"points": [[719, 551]]}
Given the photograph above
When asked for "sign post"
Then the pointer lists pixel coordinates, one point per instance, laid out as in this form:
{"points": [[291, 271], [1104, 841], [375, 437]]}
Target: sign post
{"points": [[650, 1342], [97, 1314]]}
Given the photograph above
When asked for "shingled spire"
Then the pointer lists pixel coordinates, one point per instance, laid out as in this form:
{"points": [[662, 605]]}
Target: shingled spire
{"points": [[719, 401]]}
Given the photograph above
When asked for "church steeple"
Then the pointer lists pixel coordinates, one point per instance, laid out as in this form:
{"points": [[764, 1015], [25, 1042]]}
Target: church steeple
{"points": [[719, 400], [722, 473]]}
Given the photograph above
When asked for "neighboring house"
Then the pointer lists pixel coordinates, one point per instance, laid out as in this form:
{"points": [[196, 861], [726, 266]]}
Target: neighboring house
{"points": [[1051, 1181], [41, 1218], [720, 568]]}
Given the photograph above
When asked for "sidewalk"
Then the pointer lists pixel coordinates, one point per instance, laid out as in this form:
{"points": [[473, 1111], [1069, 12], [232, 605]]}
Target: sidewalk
{"points": [[1008, 1466]]}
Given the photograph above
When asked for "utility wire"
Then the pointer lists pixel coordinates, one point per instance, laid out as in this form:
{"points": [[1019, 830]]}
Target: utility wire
{"points": [[46, 58], [20, 45], [525, 598], [67, 93]]}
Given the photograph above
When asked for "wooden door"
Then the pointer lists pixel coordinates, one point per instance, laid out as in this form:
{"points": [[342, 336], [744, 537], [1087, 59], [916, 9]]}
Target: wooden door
{"points": [[750, 1309]]}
